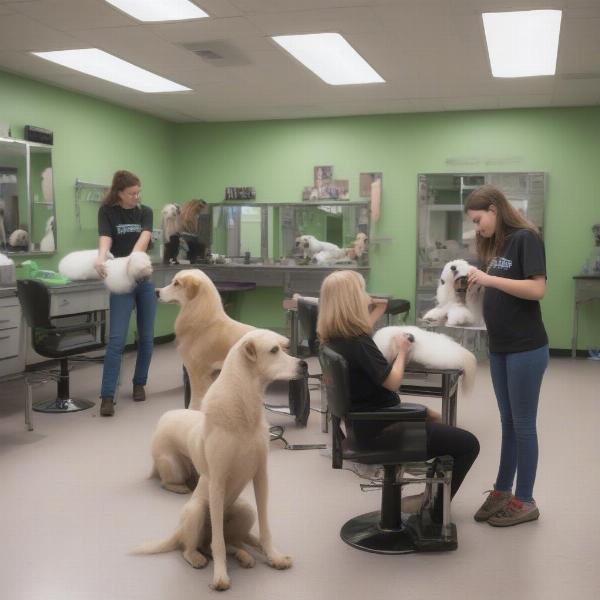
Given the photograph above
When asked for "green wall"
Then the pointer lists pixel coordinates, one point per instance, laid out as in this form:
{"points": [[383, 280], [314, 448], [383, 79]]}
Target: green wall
{"points": [[92, 140], [180, 161], [277, 158]]}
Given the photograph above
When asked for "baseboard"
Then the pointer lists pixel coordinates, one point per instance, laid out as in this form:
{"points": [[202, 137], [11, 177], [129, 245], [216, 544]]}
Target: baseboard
{"points": [[564, 352]]}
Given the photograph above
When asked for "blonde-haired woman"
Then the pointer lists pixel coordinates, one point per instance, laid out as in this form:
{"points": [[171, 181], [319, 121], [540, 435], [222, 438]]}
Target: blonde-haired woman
{"points": [[190, 228], [347, 315]]}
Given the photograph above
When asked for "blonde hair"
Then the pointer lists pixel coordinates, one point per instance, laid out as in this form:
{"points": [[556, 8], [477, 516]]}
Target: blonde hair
{"points": [[508, 219], [189, 215], [343, 306]]}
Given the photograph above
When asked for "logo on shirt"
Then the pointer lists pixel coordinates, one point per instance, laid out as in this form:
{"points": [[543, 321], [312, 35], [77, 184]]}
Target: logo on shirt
{"points": [[128, 228], [500, 263]]}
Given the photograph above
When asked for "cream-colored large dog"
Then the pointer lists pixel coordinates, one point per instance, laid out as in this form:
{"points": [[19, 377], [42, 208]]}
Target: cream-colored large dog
{"points": [[203, 330], [227, 442]]}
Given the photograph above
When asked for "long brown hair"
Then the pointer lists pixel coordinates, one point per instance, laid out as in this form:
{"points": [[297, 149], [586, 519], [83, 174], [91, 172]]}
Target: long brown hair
{"points": [[343, 306], [508, 219], [189, 215], [121, 181]]}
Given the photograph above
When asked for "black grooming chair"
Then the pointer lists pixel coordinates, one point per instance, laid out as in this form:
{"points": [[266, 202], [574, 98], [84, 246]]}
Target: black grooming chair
{"points": [[389, 530], [59, 338]]}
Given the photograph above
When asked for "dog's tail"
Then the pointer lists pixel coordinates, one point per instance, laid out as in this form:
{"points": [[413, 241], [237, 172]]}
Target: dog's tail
{"points": [[157, 547]]}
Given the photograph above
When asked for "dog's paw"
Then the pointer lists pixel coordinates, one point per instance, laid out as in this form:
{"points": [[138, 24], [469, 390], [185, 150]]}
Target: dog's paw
{"points": [[220, 584], [245, 559], [280, 562], [178, 488], [195, 558]]}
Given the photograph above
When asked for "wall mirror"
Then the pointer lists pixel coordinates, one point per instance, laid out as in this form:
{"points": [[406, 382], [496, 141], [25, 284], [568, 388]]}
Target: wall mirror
{"points": [[268, 231], [27, 209], [444, 231]]}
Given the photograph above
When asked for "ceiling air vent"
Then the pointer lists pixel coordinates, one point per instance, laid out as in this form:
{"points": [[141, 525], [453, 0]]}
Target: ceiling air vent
{"points": [[219, 53]]}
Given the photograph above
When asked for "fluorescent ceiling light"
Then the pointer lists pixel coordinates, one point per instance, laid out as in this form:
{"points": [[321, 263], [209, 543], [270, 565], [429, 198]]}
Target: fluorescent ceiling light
{"points": [[331, 57], [98, 63], [523, 43], [159, 10]]}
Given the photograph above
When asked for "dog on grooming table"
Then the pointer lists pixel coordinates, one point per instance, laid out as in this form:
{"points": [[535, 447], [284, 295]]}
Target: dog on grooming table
{"points": [[457, 303]]}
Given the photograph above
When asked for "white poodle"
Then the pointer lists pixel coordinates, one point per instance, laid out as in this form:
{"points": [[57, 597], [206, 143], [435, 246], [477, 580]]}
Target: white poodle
{"points": [[170, 224], [433, 350], [47, 244], [122, 274], [457, 303], [311, 246]]}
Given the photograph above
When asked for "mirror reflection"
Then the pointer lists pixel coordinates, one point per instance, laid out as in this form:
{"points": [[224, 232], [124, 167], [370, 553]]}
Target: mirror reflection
{"points": [[27, 215], [303, 234]]}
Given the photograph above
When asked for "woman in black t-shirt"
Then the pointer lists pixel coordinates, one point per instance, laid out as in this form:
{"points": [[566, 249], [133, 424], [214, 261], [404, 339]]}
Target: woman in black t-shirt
{"points": [[512, 253], [125, 226], [345, 323]]}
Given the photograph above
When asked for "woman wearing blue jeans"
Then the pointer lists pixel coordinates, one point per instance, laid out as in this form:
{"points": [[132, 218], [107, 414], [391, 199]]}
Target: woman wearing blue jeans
{"points": [[125, 226], [512, 252]]}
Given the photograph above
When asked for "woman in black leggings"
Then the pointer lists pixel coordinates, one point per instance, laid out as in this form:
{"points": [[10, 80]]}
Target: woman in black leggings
{"points": [[345, 324]]}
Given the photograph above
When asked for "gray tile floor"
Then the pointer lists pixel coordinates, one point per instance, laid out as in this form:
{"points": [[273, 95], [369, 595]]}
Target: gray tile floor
{"points": [[76, 499]]}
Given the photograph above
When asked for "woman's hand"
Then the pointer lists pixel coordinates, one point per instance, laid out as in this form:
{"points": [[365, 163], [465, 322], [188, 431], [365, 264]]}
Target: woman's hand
{"points": [[402, 343], [478, 277], [378, 302], [100, 266]]}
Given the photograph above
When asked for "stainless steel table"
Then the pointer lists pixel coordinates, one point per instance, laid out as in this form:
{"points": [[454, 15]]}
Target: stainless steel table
{"points": [[587, 289]]}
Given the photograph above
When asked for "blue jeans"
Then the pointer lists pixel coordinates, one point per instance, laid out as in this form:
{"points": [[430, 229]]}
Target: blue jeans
{"points": [[143, 297], [517, 378]]}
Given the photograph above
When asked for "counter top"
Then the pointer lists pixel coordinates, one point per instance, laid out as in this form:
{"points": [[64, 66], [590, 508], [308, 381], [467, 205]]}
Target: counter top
{"points": [[6, 291]]}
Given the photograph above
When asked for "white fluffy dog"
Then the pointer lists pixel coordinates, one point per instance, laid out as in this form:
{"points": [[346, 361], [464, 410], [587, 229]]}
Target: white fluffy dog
{"points": [[47, 244], [311, 246], [228, 444], [79, 265], [433, 350], [19, 238], [170, 224], [122, 274], [457, 303]]}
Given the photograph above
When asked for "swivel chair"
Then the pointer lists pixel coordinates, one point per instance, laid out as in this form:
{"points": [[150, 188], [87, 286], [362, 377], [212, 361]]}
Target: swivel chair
{"points": [[59, 338], [389, 530]]}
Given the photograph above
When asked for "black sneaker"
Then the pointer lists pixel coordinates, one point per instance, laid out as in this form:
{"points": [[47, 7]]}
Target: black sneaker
{"points": [[139, 394]]}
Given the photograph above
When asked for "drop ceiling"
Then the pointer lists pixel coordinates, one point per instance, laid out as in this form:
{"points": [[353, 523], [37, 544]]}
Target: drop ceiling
{"points": [[431, 53]]}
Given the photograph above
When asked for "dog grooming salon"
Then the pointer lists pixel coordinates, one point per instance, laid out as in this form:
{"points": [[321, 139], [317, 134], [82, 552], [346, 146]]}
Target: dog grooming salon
{"points": [[299, 299]]}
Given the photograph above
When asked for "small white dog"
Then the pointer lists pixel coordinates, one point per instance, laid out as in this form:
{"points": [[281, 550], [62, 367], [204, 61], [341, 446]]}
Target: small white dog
{"points": [[79, 265], [358, 246], [47, 244], [19, 238], [311, 246], [122, 274], [170, 224], [228, 444], [433, 350], [457, 303]]}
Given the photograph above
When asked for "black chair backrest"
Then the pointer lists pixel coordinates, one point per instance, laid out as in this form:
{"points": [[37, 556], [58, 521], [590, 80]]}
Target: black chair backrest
{"points": [[35, 302], [308, 313], [336, 381]]}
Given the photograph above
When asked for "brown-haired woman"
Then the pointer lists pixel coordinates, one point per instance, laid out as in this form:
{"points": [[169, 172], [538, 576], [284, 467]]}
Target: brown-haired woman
{"points": [[514, 275], [347, 315], [125, 226], [190, 229]]}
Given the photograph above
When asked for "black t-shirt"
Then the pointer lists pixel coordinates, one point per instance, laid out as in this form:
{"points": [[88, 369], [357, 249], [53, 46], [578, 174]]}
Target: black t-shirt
{"points": [[515, 324], [368, 369], [124, 226]]}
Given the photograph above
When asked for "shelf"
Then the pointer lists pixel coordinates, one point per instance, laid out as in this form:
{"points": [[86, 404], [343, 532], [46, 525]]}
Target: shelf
{"points": [[445, 207]]}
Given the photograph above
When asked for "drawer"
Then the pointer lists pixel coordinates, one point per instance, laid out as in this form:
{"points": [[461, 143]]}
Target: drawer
{"points": [[78, 302], [9, 343], [9, 301], [10, 316]]}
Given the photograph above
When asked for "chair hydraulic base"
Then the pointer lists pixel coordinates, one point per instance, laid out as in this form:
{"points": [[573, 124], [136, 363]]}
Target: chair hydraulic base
{"points": [[365, 533], [62, 405]]}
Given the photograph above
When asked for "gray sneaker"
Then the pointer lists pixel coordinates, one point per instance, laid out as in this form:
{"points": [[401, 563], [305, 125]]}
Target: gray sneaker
{"points": [[107, 408], [515, 512], [495, 502]]}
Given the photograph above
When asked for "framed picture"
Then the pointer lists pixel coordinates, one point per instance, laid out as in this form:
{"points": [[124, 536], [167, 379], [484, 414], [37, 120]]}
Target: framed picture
{"points": [[240, 193], [310, 194], [366, 179]]}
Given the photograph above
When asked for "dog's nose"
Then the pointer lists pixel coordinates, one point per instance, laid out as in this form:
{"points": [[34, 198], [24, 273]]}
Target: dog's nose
{"points": [[157, 292]]}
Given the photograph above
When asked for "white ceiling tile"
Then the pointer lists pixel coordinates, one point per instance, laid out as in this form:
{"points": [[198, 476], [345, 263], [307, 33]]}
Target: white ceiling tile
{"points": [[530, 101], [60, 14], [276, 6], [18, 32], [219, 8], [205, 29], [579, 49]]}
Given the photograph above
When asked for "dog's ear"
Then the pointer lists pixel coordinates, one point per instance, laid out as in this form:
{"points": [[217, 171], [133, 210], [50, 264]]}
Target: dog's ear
{"points": [[191, 287], [249, 350]]}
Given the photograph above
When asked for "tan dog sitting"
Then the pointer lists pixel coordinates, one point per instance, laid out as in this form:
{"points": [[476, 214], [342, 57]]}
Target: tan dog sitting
{"points": [[228, 444], [203, 330]]}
